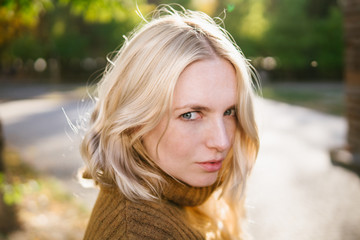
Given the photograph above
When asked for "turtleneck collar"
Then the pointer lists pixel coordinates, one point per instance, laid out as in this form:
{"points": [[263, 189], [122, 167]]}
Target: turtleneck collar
{"points": [[184, 194], [178, 192]]}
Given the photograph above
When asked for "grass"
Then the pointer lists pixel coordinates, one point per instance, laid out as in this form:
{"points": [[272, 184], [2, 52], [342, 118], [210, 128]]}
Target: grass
{"points": [[326, 98], [45, 209]]}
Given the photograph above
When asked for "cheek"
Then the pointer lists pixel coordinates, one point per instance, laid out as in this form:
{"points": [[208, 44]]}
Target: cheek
{"points": [[231, 129], [175, 145], [181, 140]]}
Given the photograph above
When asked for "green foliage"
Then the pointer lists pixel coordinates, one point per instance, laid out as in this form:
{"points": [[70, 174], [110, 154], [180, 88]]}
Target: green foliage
{"points": [[71, 31], [230, 8], [330, 52], [12, 193], [304, 36], [102, 11], [27, 47], [16, 16], [246, 22], [296, 33], [290, 42], [297, 38]]}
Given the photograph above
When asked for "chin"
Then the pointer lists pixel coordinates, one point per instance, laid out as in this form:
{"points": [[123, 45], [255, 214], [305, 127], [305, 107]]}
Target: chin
{"points": [[204, 181]]}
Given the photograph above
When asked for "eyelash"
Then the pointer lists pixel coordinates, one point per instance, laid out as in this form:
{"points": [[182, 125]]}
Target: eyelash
{"points": [[229, 112]]}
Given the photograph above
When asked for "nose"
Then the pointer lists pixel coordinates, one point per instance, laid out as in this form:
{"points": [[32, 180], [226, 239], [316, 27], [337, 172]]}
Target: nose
{"points": [[218, 137]]}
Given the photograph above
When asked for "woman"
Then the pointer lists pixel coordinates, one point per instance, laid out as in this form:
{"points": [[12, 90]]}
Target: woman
{"points": [[172, 138]]}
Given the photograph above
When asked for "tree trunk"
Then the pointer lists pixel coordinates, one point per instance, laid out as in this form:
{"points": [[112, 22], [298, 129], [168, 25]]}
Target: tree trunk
{"points": [[8, 219], [352, 72], [350, 156]]}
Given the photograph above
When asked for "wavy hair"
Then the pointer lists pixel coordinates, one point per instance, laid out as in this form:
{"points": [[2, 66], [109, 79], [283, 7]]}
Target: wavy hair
{"points": [[135, 93]]}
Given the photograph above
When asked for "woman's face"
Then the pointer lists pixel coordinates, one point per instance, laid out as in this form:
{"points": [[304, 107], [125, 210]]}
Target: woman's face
{"points": [[201, 126]]}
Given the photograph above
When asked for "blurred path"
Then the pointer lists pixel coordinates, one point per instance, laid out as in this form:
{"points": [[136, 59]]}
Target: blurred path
{"points": [[294, 192], [38, 129]]}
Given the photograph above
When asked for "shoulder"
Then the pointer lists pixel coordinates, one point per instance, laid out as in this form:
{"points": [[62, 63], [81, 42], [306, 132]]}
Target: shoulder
{"points": [[106, 217], [116, 217]]}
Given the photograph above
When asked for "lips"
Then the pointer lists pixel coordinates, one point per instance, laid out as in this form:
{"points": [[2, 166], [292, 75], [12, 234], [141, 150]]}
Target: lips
{"points": [[211, 166]]}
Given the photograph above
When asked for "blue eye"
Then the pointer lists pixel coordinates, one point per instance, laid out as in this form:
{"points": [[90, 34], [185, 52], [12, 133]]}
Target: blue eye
{"points": [[230, 112], [190, 115]]}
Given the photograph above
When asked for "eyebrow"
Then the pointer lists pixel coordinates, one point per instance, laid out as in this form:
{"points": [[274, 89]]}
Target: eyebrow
{"points": [[194, 107], [199, 107]]}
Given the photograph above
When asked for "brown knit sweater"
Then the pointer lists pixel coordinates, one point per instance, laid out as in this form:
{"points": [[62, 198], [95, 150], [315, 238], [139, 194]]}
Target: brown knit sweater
{"points": [[116, 217]]}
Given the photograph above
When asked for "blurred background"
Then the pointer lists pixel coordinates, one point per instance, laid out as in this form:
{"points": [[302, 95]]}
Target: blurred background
{"points": [[63, 41], [305, 184]]}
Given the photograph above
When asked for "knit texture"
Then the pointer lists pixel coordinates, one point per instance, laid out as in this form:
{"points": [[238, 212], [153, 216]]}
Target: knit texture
{"points": [[116, 217]]}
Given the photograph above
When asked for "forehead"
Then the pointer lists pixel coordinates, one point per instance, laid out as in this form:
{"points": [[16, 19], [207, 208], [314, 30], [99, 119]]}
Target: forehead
{"points": [[209, 82]]}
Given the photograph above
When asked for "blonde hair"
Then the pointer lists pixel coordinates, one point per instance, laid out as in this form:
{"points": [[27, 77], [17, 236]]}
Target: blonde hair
{"points": [[136, 92]]}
